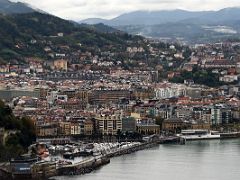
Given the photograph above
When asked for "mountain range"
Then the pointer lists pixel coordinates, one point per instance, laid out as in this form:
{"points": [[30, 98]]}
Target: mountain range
{"points": [[201, 26], [187, 26], [169, 16]]}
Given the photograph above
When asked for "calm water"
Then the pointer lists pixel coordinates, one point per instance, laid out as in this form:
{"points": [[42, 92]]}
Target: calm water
{"points": [[199, 160]]}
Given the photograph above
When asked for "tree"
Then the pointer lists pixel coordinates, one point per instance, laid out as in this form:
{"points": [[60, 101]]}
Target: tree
{"points": [[22, 135]]}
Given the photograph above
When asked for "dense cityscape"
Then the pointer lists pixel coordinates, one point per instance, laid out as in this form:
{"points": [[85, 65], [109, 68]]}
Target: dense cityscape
{"points": [[73, 97]]}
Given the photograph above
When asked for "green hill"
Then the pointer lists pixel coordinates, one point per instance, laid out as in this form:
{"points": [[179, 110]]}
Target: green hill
{"points": [[8, 7], [101, 28], [25, 35]]}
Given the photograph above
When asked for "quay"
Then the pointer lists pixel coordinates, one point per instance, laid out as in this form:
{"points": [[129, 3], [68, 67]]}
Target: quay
{"points": [[83, 167], [39, 170], [91, 164], [48, 169]]}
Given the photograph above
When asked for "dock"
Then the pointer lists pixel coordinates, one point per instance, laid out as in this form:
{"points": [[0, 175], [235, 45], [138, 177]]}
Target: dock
{"points": [[47, 169], [88, 165], [83, 167]]}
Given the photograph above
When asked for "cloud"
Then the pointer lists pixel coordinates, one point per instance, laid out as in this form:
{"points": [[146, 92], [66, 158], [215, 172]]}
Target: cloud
{"points": [[82, 9]]}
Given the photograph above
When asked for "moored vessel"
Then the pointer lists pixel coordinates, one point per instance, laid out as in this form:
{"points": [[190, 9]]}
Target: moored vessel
{"points": [[198, 134]]}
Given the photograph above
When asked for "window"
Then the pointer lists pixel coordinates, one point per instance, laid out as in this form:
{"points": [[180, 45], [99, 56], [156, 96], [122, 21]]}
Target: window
{"points": [[105, 124], [114, 125]]}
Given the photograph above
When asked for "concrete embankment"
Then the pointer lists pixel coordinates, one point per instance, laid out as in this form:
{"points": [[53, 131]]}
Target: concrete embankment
{"points": [[91, 164], [83, 167], [46, 170], [132, 149]]}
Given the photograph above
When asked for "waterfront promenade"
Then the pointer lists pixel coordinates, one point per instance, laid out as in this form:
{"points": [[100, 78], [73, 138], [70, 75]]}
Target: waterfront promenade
{"points": [[197, 160], [92, 163], [87, 165]]}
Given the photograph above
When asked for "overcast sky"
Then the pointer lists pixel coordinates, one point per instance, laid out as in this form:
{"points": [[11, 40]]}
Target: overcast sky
{"points": [[82, 9]]}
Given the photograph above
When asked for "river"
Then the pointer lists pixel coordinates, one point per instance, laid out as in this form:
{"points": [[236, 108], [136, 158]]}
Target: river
{"points": [[197, 160]]}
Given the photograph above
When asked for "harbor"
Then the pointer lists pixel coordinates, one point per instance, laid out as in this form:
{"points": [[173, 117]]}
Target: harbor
{"points": [[81, 158], [197, 160], [72, 158]]}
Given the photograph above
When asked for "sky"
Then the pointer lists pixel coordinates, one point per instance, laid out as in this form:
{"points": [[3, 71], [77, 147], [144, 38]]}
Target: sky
{"points": [[83, 9]]}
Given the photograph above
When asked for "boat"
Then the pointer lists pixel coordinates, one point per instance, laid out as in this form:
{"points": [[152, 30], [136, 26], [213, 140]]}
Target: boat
{"points": [[85, 152], [96, 153], [171, 140], [198, 134], [68, 155]]}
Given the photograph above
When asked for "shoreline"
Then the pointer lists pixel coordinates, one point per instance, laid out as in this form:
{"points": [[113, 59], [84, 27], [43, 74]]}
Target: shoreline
{"points": [[49, 170], [88, 167]]}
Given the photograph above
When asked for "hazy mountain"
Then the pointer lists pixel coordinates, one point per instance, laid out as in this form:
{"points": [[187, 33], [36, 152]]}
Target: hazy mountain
{"points": [[147, 17], [191, 26], [8, 7], [94, 21], [227, 14], [169, 16], [153, 17]]}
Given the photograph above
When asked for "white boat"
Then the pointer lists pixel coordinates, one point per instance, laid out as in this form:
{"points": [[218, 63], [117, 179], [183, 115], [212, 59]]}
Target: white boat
{"points": [[198, 134]]}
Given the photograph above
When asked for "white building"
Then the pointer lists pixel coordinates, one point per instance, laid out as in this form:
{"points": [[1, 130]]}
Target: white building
{"points": [[170, 90], [229, 78], [75, 129]]}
